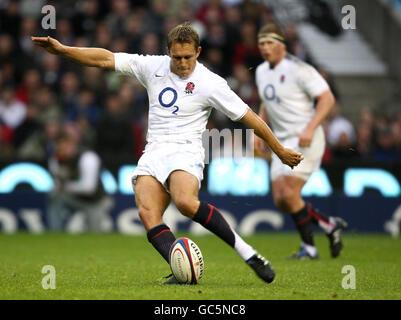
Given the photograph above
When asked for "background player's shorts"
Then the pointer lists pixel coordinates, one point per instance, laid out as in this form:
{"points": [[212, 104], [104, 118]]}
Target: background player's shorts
{"points": [[312, 157], [161, 159]]}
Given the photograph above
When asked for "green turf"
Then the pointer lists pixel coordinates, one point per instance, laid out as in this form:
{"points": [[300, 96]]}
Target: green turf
{"points": [[114, 266]]}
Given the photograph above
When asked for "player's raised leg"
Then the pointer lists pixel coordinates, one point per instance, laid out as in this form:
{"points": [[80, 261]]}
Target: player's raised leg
{"points": [[184, 189], [152, 200]]}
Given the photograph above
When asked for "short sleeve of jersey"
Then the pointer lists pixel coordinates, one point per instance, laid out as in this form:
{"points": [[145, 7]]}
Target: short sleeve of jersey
{"points": [[227, 101], [311, 80], [139, 66], [130, 64]]}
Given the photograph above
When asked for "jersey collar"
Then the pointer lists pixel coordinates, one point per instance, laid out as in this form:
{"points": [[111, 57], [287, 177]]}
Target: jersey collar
{"points": [[176, 76], [279, 65]]}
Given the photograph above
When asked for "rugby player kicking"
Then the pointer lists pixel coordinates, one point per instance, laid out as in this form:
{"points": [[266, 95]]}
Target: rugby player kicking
{"points": [[182, 93]]}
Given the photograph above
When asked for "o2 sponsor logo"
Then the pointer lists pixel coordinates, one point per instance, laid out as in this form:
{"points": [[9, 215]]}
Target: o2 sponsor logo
{"points": [[169, 94], [269, 92]]}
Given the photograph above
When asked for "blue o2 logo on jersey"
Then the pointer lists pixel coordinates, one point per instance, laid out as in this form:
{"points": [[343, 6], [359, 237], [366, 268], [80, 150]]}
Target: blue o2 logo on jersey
{"points": [[171, 103], [269, 92]]}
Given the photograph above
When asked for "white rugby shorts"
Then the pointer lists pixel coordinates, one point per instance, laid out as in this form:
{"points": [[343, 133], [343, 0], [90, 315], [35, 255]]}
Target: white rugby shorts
{"points": [[160, 159], [312, 157]]}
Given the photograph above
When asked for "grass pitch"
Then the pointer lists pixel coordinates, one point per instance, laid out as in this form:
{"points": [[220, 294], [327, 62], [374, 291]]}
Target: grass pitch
{"points": [[115, 266]]}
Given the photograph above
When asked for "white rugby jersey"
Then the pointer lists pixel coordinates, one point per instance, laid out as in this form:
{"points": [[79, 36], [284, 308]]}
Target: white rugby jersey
{"points": [[287, 92], [179, 107]]}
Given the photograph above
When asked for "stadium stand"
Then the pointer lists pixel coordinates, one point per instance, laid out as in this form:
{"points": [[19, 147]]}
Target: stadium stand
{"points": [[53, 94]]}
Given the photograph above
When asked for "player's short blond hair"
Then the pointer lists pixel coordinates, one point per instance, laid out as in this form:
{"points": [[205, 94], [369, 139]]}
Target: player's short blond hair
{"points": [[183, 33], [274, 30]]}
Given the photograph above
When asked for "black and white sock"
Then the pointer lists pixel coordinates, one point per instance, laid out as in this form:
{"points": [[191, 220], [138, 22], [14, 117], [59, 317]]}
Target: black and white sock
{"points": [[212, 219], [304, 225], [161, 238], [318, 218]]}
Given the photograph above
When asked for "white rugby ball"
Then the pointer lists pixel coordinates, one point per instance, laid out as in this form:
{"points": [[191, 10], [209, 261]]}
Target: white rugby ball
{"points": [[186, 261]]}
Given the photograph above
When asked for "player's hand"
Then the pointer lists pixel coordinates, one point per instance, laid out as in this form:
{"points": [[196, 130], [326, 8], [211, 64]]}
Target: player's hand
{"points": [[305, 139], [51, 45], [290, 157]]}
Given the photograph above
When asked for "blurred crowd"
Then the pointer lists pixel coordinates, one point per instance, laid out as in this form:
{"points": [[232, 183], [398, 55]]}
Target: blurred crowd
{"points": [[42, 94], [376, 138]]}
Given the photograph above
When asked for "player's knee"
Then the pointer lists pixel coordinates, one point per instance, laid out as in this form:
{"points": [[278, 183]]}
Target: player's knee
{"points": [[187, 206], [284, 200], [281, 204]]}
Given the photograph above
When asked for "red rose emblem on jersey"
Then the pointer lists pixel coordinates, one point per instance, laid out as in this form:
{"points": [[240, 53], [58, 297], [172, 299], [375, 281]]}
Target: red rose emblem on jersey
{"points": [[190, 87]]}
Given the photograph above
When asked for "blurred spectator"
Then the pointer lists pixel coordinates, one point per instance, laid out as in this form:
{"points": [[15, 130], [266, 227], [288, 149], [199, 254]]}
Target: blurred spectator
{"points": [[232, 30], [103, 36], [40, 144], [294, 46], [85, 107], [94, 80], [64, 32], [7, 49], [150, 44], [47, 107], [27, 128], [135, 30], [85, 132], [116, 19], [266, 16], [85, 20], [215, 37], [7, 152], [215, 62], [156, 15], [247, 51], [396, 129], [51, 69], [28, 28], [114, 139], [69, 87], [385, 150], [341, 134], [250, 10], [78, 188], [10, 19], [242, 83], [8, 73], [366, 117], [29, 8], [211, 12], [364, 145], [12, 112], [29, 86], [119, 44]]}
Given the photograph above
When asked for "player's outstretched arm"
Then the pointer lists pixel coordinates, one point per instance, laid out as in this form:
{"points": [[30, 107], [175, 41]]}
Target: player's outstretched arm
{"points": [[287, 156], [90, 57]]}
